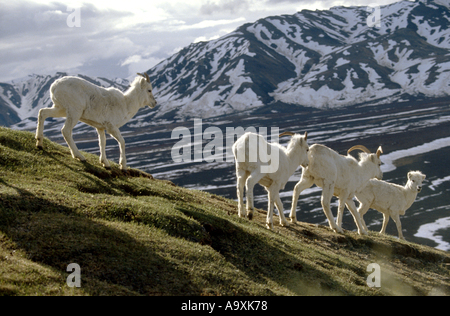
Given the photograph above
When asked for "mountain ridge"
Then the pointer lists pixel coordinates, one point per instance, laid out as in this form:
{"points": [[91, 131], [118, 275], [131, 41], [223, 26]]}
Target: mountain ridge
{"points": [[322, 59], [332, 57]]}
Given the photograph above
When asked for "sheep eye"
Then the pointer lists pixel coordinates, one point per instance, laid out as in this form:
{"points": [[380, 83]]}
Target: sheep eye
{"points": [[150, 91]]}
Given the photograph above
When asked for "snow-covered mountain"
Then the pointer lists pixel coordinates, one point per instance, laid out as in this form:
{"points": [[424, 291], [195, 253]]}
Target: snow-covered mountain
{"points": [[324, 59]]}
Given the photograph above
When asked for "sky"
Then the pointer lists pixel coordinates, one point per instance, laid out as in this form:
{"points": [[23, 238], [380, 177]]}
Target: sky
{"points": [[116, 39]]}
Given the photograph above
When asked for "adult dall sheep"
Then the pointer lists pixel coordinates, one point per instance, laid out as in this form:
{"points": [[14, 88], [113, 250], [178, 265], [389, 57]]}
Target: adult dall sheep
{"points": [[337, 175], [390, 199], [103, 108], [272, 176]]}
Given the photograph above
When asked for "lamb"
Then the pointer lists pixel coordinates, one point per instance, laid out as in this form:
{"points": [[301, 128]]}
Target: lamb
{"points": [[105, 109], [250, 171], [340, 175], [390, 199]]}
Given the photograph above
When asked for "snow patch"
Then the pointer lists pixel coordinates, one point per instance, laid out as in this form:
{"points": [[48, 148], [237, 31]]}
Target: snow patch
{"points": [[389, 159], [429, 231]]}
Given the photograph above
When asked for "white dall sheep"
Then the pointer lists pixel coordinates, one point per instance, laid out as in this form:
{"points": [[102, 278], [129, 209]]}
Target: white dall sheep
{"points": [[337, 175], [390, 199], [105, 109], [249, 173]]}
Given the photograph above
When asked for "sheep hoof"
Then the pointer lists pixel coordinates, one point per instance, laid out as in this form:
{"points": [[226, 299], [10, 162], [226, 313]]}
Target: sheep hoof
{"points": [[285, 224], [79, 157], [269, 226], [293, 220], [362, 232], [39, 144]]}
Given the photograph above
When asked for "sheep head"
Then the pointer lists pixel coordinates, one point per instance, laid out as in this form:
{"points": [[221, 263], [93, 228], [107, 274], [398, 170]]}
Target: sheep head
{"points": [[375, 158], [298, 142], [415, 179], [364, 149], [147, 86]]}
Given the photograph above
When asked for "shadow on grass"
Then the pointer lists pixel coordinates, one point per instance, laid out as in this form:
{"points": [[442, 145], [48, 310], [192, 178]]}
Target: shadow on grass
{"points": [[255, 254], [111, 261], [95, 179]]}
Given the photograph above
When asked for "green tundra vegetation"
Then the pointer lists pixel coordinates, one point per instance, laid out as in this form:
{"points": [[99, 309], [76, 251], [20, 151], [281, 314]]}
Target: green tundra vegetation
{"points": [[132, 234]]}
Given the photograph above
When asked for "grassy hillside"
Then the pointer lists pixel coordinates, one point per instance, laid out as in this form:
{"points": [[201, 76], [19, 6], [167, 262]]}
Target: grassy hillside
{"points": [[135, 235]]}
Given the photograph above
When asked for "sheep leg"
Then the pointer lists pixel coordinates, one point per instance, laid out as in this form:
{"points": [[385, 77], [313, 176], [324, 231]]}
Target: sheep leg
{"points": [[327, 194], [67, 133], [396, 219], [356, 217], [304, 183], [102, 144], [385, 222], [241, 176], [250, 183], [114, 132], [279, 205], [43, 114], [362, 210], [269, 220], [340, 213]]}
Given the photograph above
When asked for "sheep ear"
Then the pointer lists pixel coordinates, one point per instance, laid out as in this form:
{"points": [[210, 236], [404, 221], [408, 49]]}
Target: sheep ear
{"points": [[379, 151], [143, 83], [423, 177], [306, 136], [409, 175]]}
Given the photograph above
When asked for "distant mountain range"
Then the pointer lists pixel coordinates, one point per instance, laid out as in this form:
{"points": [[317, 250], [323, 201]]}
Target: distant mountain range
{"points": [[323, 59]]}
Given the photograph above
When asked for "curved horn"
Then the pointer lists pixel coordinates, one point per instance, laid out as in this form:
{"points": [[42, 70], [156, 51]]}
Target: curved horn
{"points": [[306, 135], [286, 134], [379, 151], [360, 147]]}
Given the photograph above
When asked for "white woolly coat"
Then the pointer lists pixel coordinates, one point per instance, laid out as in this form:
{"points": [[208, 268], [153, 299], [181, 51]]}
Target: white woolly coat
{"points": [[390, 198], [99, 107]]}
